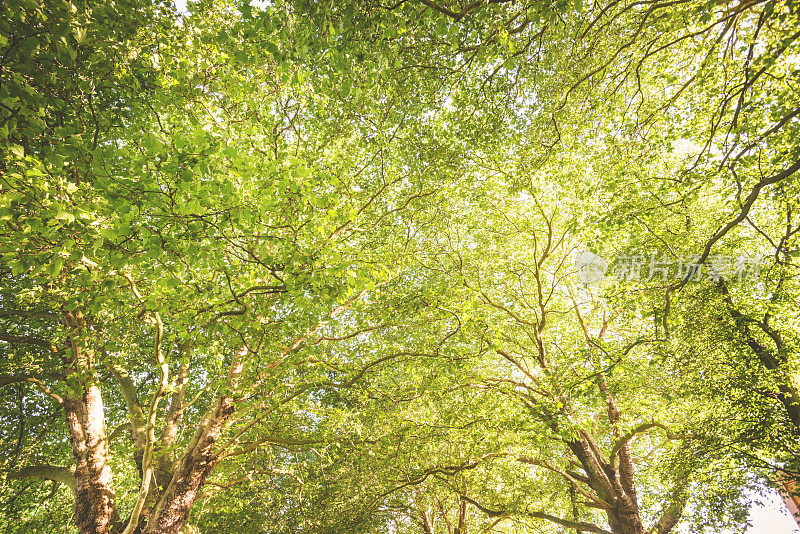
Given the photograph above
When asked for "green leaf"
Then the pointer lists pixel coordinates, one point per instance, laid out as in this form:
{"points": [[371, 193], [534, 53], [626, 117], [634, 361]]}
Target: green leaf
{"points": [[97, 244], [17, 267], [65, 216], [56, 265], [17, 151]]}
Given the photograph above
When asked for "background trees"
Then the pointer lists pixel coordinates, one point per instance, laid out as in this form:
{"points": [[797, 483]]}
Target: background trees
{"points": [[311, 268]]}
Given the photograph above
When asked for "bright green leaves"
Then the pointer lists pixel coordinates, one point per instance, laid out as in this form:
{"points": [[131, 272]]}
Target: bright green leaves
{"points": [[17, 151], [379, 202], [65, 216], [273, 49]]}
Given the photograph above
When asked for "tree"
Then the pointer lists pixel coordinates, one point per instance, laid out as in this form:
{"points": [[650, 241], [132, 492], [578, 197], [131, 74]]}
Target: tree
{"points": [[194, 268], [324, 249]]}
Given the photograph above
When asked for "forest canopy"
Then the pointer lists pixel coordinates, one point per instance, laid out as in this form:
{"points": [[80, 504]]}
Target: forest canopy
{"points": [[395, 267]]}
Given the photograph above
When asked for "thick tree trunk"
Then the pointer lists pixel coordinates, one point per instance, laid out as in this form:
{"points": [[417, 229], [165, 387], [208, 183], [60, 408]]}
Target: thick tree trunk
{"points": [[95, 510], [790, 493], [624, 518], [196, 465], [674, 510], [626, 513], [616, 489], [166, 459], [190, 473]]}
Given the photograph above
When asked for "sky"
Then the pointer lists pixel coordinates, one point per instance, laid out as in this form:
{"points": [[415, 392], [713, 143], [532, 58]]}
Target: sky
{"points": [[771, 518]]}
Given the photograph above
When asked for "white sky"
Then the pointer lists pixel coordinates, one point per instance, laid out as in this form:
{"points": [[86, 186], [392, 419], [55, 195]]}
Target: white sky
{"points": [[772, 517]]}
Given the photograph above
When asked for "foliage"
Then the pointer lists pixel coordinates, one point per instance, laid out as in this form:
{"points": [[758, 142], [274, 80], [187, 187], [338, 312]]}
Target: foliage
{"points": [[312, 265]]}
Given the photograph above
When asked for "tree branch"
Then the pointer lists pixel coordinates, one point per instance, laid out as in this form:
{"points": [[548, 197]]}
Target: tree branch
{"points": [[28, 340], [6, 380], [744, 210], [638, 430], [48, 472], [579, 525]]}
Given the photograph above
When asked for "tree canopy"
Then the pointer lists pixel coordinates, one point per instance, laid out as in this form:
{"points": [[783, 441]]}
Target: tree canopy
{"points": [[425, 266]]}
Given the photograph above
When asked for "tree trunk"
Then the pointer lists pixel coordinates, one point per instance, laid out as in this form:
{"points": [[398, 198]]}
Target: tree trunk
{"points": [[190, 473], [196, 464], [615, 488], [624, 518], [95, 510], [788, 490], [462, 517], [626, 513]]}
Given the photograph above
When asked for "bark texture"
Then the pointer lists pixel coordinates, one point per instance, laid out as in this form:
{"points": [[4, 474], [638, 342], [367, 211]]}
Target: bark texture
{"points": [[197, 463], [95, 510], [790, 493], [191, 473], [615, 487]]}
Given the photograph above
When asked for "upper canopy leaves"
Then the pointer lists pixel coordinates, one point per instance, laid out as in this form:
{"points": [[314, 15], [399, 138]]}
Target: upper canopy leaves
{"points": [[350, 228]]}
